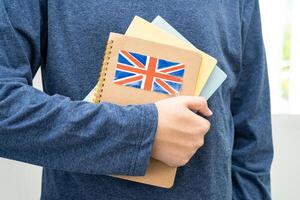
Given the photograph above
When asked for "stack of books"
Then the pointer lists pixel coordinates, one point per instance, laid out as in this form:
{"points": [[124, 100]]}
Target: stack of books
{"points": [[151, 62]]}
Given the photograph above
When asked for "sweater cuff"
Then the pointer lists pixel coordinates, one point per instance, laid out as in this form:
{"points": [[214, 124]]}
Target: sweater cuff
{"points": [[146, 134]]}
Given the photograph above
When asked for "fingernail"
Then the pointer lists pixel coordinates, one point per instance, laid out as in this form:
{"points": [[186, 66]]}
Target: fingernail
{"points": [[210, 112]]}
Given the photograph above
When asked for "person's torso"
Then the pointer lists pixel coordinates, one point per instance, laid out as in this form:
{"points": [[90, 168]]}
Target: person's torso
{"points": [[77, 34]]}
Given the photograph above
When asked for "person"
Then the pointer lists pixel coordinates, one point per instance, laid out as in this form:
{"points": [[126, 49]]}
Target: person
{"points": [[79, 143]]}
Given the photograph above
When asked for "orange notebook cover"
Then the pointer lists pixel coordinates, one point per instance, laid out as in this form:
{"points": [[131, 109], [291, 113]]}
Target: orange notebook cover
{"points": [[137, 71]]}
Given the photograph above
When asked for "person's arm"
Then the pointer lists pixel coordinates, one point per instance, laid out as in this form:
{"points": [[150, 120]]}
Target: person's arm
{"points": [[54, 131], [253, 150]]}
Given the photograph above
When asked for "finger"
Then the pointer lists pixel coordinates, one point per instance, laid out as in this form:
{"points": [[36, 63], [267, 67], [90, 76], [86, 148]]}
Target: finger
{"points": [[197, 104], [205, 124], [200, 121]]}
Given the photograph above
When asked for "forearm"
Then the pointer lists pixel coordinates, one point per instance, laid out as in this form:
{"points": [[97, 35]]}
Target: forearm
{"points": [[55, 132]]}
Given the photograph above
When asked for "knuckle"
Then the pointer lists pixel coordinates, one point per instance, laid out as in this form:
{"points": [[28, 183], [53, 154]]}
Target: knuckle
{"points": [[199, 129], [191, 146], [198, 142], [205, 126], [184, 158], [201, 98], [202, 144], [203, 101], [183, 161], [201, 104]]}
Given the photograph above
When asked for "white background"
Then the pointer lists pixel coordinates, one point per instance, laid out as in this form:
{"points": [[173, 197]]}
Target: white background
{"points": [[276, 14]]}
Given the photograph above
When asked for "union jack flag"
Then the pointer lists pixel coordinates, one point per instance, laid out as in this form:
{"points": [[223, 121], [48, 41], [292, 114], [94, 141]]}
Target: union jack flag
{"points": [[148, 73]]}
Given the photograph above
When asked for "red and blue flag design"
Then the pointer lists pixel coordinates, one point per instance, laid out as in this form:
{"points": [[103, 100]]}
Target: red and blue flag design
{"points": [[148, 73]]}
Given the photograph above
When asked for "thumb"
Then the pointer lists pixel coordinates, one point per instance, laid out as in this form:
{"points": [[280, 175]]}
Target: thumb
{"points": [[197, 104]]}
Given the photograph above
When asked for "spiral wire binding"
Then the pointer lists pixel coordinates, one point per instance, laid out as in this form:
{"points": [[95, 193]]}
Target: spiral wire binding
{"points": [[102, 76]]}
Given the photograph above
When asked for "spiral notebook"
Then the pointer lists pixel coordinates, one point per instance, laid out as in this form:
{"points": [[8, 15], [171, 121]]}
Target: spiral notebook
{"points": [[137, 71]]}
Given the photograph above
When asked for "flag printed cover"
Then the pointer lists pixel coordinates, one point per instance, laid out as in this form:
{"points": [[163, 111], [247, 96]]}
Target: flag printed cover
{"points": [[148, 73]]}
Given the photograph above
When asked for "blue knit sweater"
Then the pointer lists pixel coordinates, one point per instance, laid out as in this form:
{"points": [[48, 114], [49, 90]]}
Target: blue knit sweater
{"points": [[78, 143]]}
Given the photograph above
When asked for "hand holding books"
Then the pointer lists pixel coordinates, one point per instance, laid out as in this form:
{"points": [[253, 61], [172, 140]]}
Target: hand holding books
{"points": [[180, 132]]}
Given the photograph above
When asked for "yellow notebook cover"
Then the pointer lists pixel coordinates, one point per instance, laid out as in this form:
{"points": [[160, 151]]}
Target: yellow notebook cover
{"points": [[143, 29], [137, 71]]}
